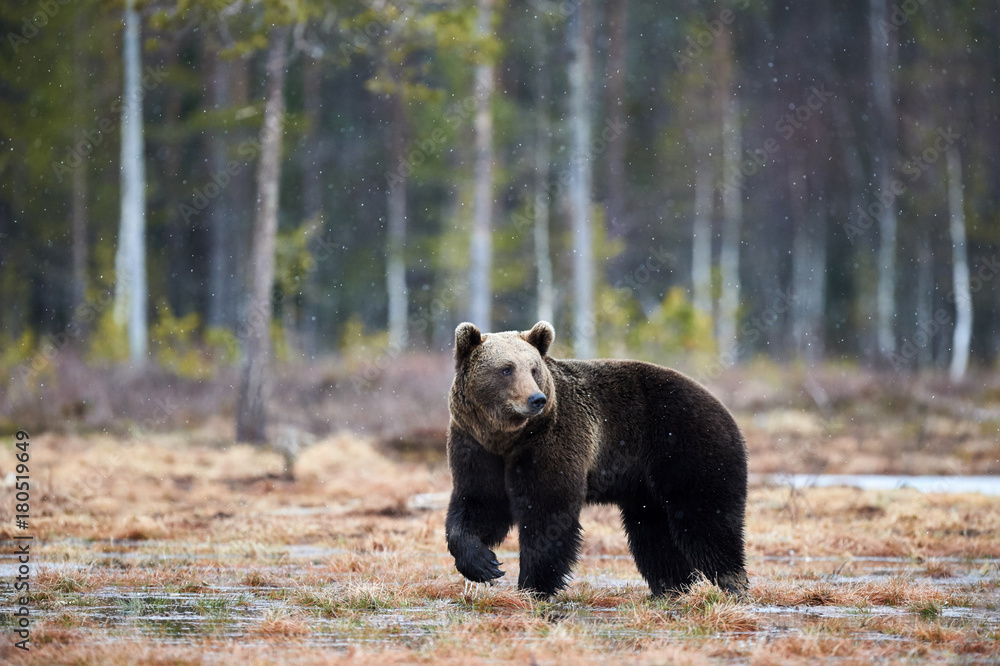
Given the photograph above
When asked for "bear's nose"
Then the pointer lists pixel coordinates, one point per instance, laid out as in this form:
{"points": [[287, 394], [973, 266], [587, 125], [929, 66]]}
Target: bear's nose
{"points": [[537, 401]]}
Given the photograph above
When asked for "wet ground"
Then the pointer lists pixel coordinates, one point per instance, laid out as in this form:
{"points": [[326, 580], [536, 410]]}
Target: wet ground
{"points": [[207, 593], [182, 553], [986, 485]]}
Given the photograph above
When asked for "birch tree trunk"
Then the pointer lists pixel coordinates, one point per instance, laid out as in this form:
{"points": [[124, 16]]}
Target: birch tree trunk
{"points": [[962, 336], [543, 157], [223, 231], [251, 413], [701, 234], [732, 205], [617, 19], [808, 267], [130, 258], [395, 260], [481, 249], [580, 74], [883, 59]]}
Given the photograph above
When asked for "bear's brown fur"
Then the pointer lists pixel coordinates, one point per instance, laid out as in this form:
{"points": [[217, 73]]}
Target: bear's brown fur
{"points": [[533, 438]]}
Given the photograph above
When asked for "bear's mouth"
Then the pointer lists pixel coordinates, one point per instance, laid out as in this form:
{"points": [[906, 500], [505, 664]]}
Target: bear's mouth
{"points": [[525, 412]]}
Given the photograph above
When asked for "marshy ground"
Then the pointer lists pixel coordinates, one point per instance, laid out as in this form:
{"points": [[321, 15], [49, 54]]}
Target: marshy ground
{"points": [[177, 548]]}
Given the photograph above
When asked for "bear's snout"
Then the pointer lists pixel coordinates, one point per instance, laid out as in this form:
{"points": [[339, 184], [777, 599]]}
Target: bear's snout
{"points": [[536, 401]]}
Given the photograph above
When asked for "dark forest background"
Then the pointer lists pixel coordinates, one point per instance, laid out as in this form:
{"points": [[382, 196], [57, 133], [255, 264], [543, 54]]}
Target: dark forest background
{"points": [[781, 135]]}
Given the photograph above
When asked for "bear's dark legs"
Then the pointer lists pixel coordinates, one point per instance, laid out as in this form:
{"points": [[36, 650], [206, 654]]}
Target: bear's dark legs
{"points": [[712, 542], [550, 545], [658, 559], [546, 508], [473, 527], [479, 513]]}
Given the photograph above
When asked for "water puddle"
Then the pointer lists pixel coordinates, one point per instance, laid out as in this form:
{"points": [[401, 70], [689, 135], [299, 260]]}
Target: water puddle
{"points": [[338, 611], [986, 485]]}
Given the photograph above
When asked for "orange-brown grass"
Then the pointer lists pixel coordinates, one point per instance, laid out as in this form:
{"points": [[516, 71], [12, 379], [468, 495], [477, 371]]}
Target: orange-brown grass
{"points": [[284, 566], [894, 591], [707, 609], [482, 598], [281, 623]]}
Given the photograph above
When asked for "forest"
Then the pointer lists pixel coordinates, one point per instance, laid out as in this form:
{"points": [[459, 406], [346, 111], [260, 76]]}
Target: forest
{"points": [[237, 236], [794, 181]]}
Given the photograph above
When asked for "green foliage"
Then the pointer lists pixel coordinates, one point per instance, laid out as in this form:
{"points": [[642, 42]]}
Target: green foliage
{"points": [[16, 352], [359, 346], [222, 346], [675, 327], [616, 311], [177, 346], [108, 342], [174, 345], [292, 257]]}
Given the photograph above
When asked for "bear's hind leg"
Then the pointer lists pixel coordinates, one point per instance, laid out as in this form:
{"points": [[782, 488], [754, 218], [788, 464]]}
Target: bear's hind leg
{"points": [[712, 543], [659, 560]]}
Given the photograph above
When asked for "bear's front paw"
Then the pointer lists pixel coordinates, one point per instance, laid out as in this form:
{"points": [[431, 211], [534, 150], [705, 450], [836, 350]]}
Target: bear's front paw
{"points": [[478, 563]]}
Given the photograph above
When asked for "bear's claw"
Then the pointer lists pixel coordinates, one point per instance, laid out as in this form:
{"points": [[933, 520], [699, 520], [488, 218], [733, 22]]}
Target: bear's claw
{"points": [[478, 564]]}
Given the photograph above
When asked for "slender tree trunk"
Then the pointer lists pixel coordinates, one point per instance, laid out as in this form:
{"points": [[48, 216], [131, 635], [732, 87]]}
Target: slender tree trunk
{"points": [[185, 282], [79, 231], [701, 234], [924, 298], [251, 415], [732, 204], [883, 63], [130, 260], [312, 156], [223, 294], [617, 16], [808, 268], [395, 259], [481, 250], [580, 74], [543, 157], [78, 212], [861, 244], [962, 336]]}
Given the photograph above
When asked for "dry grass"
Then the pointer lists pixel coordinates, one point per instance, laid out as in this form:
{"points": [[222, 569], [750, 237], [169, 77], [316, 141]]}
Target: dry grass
{"points": [[170, 549]]}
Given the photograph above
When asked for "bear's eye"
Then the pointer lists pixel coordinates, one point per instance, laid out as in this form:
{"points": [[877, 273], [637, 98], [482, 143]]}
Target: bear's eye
{"points": [[534, 372], [507, 372]]}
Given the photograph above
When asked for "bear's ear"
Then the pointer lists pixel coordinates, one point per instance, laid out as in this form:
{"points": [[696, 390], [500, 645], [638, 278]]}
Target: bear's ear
{"points": [[467, 338], [540, 337]]}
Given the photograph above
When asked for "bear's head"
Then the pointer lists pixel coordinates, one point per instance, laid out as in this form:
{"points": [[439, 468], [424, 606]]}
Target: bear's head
{"points": [[501, 379]]}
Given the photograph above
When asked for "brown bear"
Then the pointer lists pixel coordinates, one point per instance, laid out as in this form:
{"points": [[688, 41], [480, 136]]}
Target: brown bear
{"points": [[533, 438]]}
